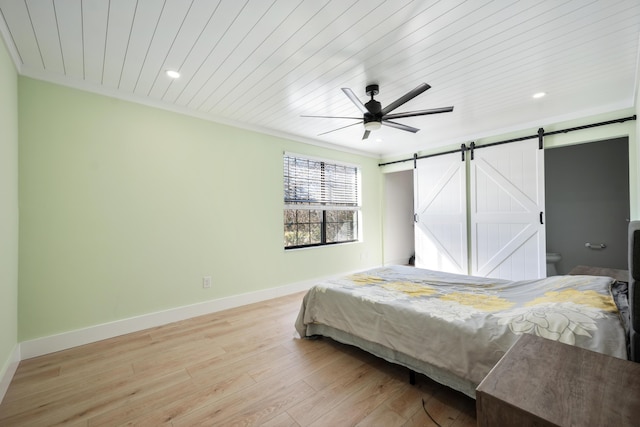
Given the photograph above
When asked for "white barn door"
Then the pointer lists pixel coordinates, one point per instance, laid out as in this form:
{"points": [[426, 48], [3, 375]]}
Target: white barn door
{"points": [[507, 211], [441, 213]]}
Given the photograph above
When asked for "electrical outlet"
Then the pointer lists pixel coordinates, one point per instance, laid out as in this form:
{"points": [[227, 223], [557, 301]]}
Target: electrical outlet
{"points": [[206, 282]]}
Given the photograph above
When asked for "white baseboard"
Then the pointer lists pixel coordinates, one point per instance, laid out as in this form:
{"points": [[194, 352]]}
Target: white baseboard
{"points": [[63, 341], [9, 370]]}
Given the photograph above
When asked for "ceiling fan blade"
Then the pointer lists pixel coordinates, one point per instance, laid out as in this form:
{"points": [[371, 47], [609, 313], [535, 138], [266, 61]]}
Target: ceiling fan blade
{"points": [[419, 113], [366, 134], [343, 127], [334, 117], [352, 96], [406, 97], [399, 126]]}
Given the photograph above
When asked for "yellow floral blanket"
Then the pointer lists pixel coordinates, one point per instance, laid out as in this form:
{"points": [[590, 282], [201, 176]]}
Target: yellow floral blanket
{"points": [[464, 324]]}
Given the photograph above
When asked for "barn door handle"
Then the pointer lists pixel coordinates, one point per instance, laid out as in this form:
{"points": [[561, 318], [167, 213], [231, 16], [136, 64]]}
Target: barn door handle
{"points": [[541, 221], [595, 246], [416, 218]]}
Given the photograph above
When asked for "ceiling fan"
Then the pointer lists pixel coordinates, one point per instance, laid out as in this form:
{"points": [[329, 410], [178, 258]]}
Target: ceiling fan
{"points": [[374, 116]]}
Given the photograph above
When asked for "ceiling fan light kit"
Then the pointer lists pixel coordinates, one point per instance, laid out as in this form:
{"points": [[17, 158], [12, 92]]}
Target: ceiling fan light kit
{"points": [[374, 116], [373, 125]]}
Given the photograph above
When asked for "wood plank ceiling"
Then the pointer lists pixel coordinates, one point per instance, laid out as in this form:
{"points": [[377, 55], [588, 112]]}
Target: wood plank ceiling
{"points": [[261, 64]]}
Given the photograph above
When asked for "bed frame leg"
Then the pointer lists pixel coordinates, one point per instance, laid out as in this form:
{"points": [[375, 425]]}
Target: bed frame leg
{"points": [[412, 377]]}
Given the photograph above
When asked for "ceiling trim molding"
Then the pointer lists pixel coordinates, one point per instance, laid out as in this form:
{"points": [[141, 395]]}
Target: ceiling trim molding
{"points": [[114, 93]]}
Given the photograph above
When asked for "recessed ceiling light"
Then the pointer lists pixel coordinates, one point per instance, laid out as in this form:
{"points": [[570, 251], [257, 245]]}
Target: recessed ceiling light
{"points": [[173, 74], [539, 95]]}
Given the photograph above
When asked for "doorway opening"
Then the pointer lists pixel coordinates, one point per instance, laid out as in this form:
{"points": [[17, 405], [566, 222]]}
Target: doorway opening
{"points": [[398, 235], [587, 205]]}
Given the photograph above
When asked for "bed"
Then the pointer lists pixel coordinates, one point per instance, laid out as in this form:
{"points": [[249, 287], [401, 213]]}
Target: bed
{"points": [[633, 318], [455, 328]]}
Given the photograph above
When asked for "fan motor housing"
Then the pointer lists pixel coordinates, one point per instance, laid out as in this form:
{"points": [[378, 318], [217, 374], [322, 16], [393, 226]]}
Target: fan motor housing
{"points": [[373, 106], [368, 117], [375, 109]]}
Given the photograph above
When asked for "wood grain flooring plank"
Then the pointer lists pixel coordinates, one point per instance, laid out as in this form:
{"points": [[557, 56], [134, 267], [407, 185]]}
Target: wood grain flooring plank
{"points": [[36, 376], [409, 401], [40, 392], [82, 405], [382, 416], [253, 405], [179, 356], [227, 365], [361, 403], [135, 409], [316, 406], [179, 405], [282, 420], [345, 368], [296, 365]]}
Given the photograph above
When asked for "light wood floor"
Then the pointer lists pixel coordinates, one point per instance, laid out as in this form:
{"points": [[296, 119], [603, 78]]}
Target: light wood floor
{"points": [[238, 367]]}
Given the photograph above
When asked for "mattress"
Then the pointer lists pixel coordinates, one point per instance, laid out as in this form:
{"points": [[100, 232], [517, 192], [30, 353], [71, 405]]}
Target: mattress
{"points": [[455, 328]]}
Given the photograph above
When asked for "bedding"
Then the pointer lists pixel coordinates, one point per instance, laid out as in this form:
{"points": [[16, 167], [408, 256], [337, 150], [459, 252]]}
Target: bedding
{"points": [[455, 328], [634, 294]]}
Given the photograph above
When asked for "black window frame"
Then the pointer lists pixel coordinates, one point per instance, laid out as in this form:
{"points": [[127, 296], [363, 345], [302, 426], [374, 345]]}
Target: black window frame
{"points": [[325, 190]]}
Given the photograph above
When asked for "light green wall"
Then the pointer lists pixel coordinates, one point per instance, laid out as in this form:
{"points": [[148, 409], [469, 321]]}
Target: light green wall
{"points": [[8, 208], [124, 208]]}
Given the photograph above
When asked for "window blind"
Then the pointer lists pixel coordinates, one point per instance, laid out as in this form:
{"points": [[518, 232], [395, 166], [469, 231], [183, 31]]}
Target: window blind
{"points": [[314, 182]]}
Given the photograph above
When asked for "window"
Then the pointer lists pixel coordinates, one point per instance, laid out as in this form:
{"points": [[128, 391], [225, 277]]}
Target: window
{"points": [[321, 202]]}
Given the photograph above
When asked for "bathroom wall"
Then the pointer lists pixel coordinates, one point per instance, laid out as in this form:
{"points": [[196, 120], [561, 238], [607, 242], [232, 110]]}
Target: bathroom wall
{"points": [[587, 200]]}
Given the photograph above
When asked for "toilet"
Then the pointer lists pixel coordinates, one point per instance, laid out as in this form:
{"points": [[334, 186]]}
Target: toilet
{"points": [[552, 259]]}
